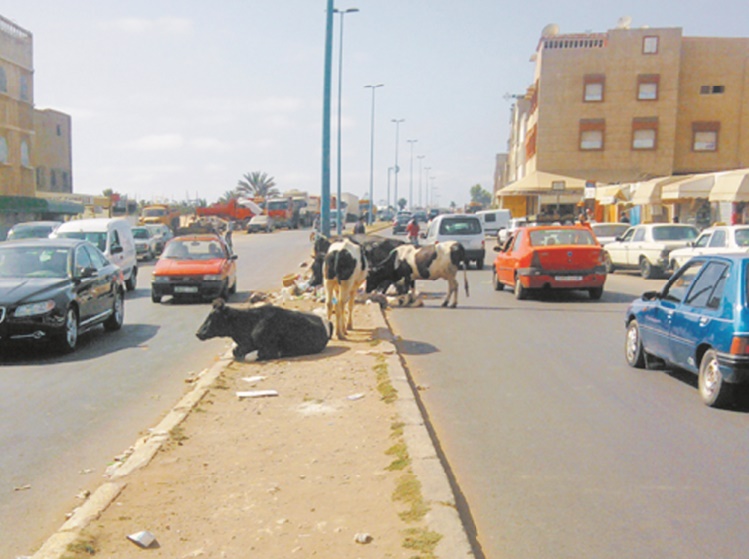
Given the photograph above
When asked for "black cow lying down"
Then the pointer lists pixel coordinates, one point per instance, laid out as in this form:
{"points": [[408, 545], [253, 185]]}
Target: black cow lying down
{"points": [[273, 331]]}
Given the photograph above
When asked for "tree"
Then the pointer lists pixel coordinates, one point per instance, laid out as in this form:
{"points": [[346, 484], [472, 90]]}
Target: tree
{"points": [[257, 183], [402, 203], [480, 196], [228, 196], [453, 205]]}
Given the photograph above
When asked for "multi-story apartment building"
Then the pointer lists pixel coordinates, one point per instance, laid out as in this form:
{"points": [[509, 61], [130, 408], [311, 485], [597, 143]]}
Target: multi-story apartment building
{"points": [[630, 105], [52, 149]]}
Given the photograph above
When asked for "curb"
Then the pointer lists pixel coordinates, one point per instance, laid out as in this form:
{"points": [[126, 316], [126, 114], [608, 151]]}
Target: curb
{"points": [[443, 517]]}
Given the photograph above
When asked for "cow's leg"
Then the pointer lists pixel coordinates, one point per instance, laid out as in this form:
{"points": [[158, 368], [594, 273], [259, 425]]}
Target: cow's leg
{"points": [[329, 296], [351, 301], [452, 292], [340, 316]]}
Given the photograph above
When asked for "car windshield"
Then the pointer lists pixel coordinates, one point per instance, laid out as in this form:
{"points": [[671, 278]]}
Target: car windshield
{"points": [[194, 250], [96, 238], [547, 237], [140, 233], [460, 226], [34, 262], [674, 233], [742, 237], [30, 231], [154, 212], [609, 230]]}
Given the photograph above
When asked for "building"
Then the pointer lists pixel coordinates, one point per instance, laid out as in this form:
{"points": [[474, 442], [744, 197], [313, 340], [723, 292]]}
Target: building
{"points": [[628, 106], [52, 149]]}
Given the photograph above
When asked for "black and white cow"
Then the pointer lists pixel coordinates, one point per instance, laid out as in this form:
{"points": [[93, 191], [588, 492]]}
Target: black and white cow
{"points": [[376, 249], [408, 263], [344, 270], [273, 331]]}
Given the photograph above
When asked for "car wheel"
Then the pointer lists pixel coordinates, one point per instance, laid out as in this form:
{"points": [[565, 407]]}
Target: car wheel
{"points": [[498, 285], [520, 291], [233, 288], [155, 298], [132, 280], [595, 293], [115, 320], [714, 391], [633, 350], [647, 270], [68, 340], [608, 263]]}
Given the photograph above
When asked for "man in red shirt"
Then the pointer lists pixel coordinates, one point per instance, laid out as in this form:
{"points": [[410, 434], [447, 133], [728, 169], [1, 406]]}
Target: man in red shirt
{"points": [[412, 229]]}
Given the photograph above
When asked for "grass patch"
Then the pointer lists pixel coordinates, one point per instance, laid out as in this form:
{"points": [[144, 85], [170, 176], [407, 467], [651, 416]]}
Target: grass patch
{"points": [[408, 491], [178, 435], [220, 383], [402, 459], [421, 540], [386, 390], [84, 547], [396, 429]]}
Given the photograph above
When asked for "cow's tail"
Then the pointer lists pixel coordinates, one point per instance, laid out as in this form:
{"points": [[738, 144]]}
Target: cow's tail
{"points": [[458, 257], [465, 277]]}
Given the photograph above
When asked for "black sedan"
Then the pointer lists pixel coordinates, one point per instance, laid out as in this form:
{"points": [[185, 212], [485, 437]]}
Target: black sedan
{"points": [[54, 289]]}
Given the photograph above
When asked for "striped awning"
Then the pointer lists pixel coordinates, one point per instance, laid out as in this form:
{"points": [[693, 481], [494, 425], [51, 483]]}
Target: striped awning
{"points": [[647, 193], [731, 186], [689, 188]]}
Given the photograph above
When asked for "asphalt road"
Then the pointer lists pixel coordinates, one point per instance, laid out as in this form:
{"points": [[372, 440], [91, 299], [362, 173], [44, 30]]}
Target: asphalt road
{"points": [[561, 450], [64, 418]]}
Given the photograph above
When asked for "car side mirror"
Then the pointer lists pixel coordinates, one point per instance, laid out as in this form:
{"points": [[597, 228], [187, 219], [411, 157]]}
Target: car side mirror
{"points": [[498, 248], [117, 250], [619, 239], [88, 272], [651, 295], [233, 257]]}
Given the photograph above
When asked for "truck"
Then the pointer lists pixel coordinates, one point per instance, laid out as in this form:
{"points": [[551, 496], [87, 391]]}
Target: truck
{"points": [[160, 213], [229, 211], [350, 205], [300, 201], [281, 210]]}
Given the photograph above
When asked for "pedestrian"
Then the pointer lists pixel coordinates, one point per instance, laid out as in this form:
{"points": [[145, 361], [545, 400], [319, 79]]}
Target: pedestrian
{"points": [[624, 218], [227, 236], [359, 228], [412, 229]]}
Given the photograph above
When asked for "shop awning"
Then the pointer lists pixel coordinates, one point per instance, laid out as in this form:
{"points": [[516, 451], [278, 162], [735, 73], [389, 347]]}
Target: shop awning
{"points": [[689, 188], [540, 182], [731, 186], [649, 192], [612, 194], [28, 204]]}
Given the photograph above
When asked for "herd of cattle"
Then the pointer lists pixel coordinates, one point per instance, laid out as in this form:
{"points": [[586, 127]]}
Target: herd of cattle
{"points": [[342, 266]]}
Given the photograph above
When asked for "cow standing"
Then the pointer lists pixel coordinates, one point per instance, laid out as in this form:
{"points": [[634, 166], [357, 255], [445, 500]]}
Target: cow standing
{"points": [[376, 249], [408, 263], [273, 331], [344, 270]]}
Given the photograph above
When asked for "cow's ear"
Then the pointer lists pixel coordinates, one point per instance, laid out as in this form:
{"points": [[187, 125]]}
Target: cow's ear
{"points": [[219, 303]]}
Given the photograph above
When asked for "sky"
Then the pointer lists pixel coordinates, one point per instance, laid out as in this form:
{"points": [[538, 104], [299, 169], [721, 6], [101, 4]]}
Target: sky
{"points": [[175, 100]]}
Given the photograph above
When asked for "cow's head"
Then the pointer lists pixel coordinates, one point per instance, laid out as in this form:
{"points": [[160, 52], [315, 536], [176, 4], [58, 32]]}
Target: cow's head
{"points": [[381, 276], [322, 244], [217, 322]]}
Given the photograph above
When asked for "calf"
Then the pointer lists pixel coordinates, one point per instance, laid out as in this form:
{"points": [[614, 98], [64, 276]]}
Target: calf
{"points": [[272, 331], [408, 263], [344, 270]]}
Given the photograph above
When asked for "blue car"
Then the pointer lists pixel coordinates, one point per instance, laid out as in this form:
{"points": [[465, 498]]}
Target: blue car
{"points": [[699, 322]]}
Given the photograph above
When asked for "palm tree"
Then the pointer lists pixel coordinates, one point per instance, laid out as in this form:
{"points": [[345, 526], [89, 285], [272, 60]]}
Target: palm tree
{"points": [[257, 184], [228, 196]]}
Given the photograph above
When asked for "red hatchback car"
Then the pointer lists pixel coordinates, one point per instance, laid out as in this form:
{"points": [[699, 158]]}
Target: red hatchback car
{"points": [[550, 257]]}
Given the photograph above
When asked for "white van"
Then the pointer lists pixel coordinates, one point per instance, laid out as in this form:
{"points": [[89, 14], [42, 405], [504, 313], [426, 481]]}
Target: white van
{"points": [[494, 220], [464, 228], [113, 237]]}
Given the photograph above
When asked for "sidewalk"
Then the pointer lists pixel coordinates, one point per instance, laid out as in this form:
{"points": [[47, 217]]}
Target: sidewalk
{"points": [[340, 455]]}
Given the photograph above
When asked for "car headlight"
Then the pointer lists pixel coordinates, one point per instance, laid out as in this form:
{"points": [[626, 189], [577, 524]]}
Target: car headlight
{"points": [[212, 277], [34, 309], [161, 279]]}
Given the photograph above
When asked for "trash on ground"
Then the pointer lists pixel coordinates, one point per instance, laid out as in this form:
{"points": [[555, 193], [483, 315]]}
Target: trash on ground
{"points": [[143, 539], [256, 378], [22, 488], [358, 396], [83, 495], [256, 393], [362, 537]]}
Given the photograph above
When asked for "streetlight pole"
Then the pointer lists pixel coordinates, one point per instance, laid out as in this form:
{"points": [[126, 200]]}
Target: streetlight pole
{"points": [[370, 218], [339, 205], [427, 169], [411, 177], [395, 168], [387, 209], [421, 159], [325, 186]]}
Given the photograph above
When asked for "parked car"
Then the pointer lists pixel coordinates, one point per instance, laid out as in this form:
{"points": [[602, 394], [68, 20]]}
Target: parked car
{"points": [[161, 233], [52, 290], [505, 233], [145, 243], [112, 236], [261, 223], [466, 229], [195, 265], [608, 232], [715, 240], [550, 257], [647, 247], [400, 222], [699, 322], [32, 230]]}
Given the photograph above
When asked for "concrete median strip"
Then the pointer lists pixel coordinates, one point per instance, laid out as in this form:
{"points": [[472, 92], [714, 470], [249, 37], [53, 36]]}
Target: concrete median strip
{"points": [[442, 518]]}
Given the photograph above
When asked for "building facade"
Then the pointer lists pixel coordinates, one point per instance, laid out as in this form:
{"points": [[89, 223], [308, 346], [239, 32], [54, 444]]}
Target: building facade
{"points": [[52, 149]]}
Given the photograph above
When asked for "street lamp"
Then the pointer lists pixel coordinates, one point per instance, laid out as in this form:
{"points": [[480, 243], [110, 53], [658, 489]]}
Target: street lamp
{"points": [[427, 169], [420, 158], [390, 170], [340, 86], [411, 178], [370, 218], [395, 168], [325, 179]]}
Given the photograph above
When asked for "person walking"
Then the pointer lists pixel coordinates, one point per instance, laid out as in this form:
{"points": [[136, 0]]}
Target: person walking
{"points": [[412, 230], [360, 228], [227, 236]]}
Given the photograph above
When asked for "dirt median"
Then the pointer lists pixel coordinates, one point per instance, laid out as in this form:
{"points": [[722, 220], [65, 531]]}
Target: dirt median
{"points": [[326, 468]]}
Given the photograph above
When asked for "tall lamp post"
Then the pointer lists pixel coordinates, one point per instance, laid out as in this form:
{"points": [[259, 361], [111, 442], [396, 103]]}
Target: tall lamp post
{"points": [[427, 169], [325, 180], [390, 170], [370, 218], [421, 159], [411, 177], [395, 168], [340, 87]]}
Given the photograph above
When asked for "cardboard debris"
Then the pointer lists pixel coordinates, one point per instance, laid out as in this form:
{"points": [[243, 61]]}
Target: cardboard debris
{"points": [[254, 379], [144, 539], [256, 393], [357, 396]]}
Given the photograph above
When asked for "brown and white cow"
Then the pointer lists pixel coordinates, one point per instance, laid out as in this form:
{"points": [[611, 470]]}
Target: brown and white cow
{"points": [[344, 271], [408, 263]]}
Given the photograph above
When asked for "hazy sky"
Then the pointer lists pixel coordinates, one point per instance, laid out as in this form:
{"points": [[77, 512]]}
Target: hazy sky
{"points": [[181, 98]]}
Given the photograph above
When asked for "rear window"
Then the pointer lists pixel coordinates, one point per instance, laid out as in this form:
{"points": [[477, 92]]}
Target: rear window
{"points": [[605, 230], [460, 226], [673, 233], [548, 237], [742, 237]]}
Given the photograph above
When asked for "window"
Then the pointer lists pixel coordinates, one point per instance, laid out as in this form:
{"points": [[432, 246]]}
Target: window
{"points": [[25, 96], [25, 158], [719, 239], [702, 240], [647, 87], [3, 80], [3, 150], [59, 130], [645, 133], [705, 136], [593, 88], [650, 45], [712, 89], [592, 134], [707, 290], [82, 260], [639, 235], [679, 286]]}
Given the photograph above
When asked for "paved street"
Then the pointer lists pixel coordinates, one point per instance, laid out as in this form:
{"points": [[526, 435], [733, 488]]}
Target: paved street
{"points": [[558, 447]]}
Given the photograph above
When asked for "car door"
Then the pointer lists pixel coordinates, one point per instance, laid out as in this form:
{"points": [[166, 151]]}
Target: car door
{"points": [[656, 322], [699, 314], [509, 258], [87, 286], [635, 246], [617, 250], [105, 286]]}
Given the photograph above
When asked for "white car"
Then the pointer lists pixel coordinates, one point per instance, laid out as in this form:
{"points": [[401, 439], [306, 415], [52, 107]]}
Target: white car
{"points": [[146, 245], [648, 247], [515, 224], [715, 240], [608, 232], [161, 233], [464, 228]]}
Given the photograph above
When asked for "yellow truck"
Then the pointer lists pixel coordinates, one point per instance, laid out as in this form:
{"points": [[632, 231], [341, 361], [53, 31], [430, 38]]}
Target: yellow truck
{"points": [[160, 213]]}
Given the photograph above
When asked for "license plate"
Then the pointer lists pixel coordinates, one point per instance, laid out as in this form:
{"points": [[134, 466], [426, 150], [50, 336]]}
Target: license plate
{"points": [[185, 289], [569, 278]]}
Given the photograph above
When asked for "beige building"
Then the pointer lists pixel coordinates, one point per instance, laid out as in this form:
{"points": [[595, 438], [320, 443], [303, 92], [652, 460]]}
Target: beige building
{"points": [[631, 105], [52, 148]]}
